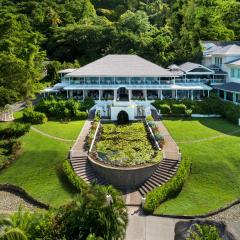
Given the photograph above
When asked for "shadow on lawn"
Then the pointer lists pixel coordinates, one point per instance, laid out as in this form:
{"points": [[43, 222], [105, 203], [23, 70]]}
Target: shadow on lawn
{"points": [[65, 183], [218, 124]]}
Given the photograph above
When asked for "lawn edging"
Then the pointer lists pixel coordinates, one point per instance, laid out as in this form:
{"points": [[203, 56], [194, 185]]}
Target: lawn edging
{"points": [[212, 213], [16, 190]]}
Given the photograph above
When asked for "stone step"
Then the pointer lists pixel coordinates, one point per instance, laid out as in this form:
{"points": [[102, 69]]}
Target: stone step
{"points": [[161, 174], [168, 168], [157, 180], [170, 172], [168, 164]]}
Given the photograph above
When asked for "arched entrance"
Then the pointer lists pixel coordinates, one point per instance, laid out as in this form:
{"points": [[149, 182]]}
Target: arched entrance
{"points": [[122, 117], [123, 94]]}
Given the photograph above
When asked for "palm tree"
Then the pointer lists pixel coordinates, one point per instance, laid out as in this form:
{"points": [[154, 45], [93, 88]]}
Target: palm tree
{"points": [[16, 227]]}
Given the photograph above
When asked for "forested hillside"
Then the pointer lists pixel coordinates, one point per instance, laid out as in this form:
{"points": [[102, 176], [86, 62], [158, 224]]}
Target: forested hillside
{"points": [[39, 35]]}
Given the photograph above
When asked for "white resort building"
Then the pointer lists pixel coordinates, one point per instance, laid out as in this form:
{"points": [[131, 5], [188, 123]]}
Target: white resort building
{"points": [[132, 83]]}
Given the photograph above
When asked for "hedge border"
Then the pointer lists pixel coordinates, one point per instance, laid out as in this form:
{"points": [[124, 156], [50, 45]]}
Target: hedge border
{"points": [[18, 191], [212, 213]]}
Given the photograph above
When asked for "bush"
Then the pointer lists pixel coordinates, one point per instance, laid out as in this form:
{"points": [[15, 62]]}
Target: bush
{"points": [[33, 117], [205, 231], [81, 115], [159, 137], [64, 109], [73, 178], [188, 112], [15, 130], [165, 109], [149, 118], [178, 108], [168, 190], [87, 104]]}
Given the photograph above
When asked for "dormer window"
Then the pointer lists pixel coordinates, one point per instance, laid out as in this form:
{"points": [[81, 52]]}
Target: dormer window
{"points": [[218, 61]]}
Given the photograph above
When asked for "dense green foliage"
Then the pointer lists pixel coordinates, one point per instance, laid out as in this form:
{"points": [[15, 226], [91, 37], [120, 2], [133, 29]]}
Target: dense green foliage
{"points": [[202, 232], [52, 34], [64, 109], [33, 117], [210, 105], [88, 216], [14, 130], [126, 145], [168, 190], [75, 180]]}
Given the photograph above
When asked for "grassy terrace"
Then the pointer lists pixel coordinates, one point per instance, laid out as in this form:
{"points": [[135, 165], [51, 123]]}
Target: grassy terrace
{"points": [[37, 170], [126, 145], [214, 180]]}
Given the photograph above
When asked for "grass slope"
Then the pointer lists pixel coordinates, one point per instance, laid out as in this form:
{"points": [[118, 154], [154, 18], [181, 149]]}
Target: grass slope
{"points": [[61, 130], [38, 168], [214, 180]]}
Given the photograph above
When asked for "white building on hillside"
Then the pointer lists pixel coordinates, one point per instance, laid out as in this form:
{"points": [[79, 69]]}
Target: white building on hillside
{"points": [[225, 59]]}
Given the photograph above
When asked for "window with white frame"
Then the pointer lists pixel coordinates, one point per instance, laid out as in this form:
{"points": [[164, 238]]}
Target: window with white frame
{"points": [[238, 73], [232, 72], [218, 61]]}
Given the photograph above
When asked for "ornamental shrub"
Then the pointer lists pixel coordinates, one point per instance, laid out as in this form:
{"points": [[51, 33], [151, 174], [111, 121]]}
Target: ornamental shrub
{"points": [[159, 137], [75, 180], [168, 190], [188, 112], [33, 117], [81, 115], [178, 108], [15, 130], [149, 118], [165, 108]]}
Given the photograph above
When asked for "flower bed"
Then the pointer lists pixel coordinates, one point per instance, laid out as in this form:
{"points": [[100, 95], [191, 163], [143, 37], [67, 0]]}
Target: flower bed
{"points": [[126, 145]]}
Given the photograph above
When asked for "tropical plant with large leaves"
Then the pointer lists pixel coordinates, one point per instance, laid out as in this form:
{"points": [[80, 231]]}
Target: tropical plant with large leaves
{"points": [[17, 227]]}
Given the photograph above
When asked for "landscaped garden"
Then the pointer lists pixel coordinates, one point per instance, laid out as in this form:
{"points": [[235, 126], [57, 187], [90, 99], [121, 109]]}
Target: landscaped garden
{"points": [[38, 168], [213, 147], [126, 145]]}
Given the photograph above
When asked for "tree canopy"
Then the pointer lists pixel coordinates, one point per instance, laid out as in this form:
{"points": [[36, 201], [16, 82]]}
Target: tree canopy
{"points": [[37, 33]]}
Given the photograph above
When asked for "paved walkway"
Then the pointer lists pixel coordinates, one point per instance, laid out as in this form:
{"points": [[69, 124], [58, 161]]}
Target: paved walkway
{"points": [[142, 227], [78, 148], [170, 147], [50, 136]]}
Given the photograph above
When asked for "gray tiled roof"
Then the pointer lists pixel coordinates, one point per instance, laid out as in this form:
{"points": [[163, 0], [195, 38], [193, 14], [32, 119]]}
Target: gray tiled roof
{"points": [[230, 86], [234, 62], [228, 50], [189, 66], [121, 65]]}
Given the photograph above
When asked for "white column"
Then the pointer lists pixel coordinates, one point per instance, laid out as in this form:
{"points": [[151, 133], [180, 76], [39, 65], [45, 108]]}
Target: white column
{"points": [[203, 93], [67, 94], [188, 93], [71, 93], [145, 94], [173, 93], [99, 95], [130, 94], [208, 93], [176, 96], [115, 94], [83, 94], [192, 94], [161, 94]]}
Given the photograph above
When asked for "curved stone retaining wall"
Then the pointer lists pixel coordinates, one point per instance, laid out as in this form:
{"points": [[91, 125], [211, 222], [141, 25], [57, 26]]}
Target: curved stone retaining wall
{"points": [[123, 177]]}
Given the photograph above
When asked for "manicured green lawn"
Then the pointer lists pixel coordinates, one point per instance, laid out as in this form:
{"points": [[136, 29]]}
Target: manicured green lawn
{"points": [[126, 145], [214, 180], [37, 170], [69, 130]]}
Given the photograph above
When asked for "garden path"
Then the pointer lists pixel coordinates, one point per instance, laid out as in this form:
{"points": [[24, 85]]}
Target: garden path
{"points": [[50, 136]]}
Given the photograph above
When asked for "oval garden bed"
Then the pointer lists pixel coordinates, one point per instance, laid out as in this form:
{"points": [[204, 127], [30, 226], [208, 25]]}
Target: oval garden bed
{"points": [[124, 154]]}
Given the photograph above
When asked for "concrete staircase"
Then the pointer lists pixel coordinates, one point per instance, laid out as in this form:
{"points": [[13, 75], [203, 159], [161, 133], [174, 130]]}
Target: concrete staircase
{"points": [[84, 170], [165, 171]]}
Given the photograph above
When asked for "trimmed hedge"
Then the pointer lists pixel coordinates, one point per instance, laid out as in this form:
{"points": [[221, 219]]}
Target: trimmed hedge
{"points": [[73, 178], [179, 108], [65, 109], [164, 108], [33, 117], [170, 189]]}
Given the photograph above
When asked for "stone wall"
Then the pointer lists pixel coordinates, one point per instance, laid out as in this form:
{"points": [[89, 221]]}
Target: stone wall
{"points": [[123, 177]]}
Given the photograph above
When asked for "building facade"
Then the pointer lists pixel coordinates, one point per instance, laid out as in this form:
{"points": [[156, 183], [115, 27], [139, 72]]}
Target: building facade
{"points": [[225, 59]]}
